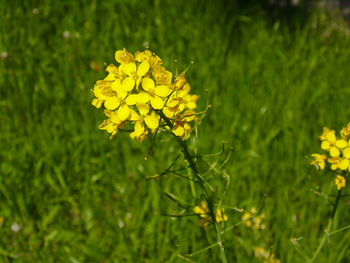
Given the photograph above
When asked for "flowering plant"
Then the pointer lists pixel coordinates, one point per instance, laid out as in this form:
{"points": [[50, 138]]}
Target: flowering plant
{"points": [[140, 96]]}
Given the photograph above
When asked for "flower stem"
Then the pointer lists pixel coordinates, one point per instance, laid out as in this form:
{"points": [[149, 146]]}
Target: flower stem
{"points": [[196, 174], [324, 238]]}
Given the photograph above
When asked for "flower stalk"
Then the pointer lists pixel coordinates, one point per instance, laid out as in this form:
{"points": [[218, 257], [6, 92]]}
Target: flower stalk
{"points": [[201, 183]]}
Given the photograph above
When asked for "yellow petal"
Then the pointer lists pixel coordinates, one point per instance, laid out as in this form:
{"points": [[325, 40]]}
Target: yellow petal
{"points": [[103, 125], [112, 103], [191, 105], [157, 103], [119, 55], [143, 108], [133, 115], [334, 152], [131, 99], [325, 145], [122, 94], [128, 84], [341, 143], [151, 121], [331, 137], [97, 103], [130, 69], [344, 164], [110, 127], [178, 131], [116, 85], [110, 77], [123, 112], [143, 68], [321, 165], [139, 129], [172, 103], [189, 115], [346, 152], [198, 210], [168, 113], [114, 118], [334, 166], [148, 84], [143, 97], [162, 91]]}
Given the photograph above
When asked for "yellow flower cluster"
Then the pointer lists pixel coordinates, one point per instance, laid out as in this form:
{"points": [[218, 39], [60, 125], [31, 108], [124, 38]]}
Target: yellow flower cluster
{"points": [[138, 91], [203, 211], [251, 219], [338, 149], [267, 256]]}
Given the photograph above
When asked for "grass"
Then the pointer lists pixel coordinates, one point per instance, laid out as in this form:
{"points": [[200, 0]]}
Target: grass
{"points": [[79, 197]]}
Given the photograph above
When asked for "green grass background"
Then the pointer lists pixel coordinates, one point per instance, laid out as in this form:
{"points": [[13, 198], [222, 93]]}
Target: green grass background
{"points": [[79, 197]]}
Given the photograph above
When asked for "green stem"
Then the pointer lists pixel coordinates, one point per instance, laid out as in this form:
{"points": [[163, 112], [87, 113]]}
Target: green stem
{"points": [[196, 174], [324, 238]]}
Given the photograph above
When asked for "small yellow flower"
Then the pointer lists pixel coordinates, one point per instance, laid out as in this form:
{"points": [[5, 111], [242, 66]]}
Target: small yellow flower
{"points": [[220, 215], [345, 132], [251, 219], [134, 74], [319, 160], [335, 162], [153, 60], [331, 143], [154, 94], [124, 57], [340, 182], [180, 81], [112, 124], [145, 117], [181, 127], [161, 75], [203, 211], [268, 256]]}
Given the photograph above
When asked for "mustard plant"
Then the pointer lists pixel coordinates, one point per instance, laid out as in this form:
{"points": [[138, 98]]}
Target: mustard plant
{"points": [[336, 157], [141, 96]]}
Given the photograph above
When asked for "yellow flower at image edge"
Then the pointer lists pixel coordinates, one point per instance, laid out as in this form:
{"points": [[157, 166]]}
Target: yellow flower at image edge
{"points": [[340, 182]]}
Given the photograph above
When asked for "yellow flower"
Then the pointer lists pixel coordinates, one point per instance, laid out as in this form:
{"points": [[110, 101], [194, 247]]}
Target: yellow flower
{"points": [[330, 142], [112, 124], [340, 182], [345, 160], [220, 215], [251, 219], [153, 60], [319, 160], [203, 211], [180, 81], [141, 137], [161, 75], [181, 127], [345, 132], [123, 56], [134, 75], [145, 117], [154, 94], [102, 91], [335, 162], [268, 256]]}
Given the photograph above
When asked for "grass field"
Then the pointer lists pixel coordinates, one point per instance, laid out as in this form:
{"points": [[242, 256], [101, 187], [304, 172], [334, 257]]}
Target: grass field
{"points": [[69, 194]]}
